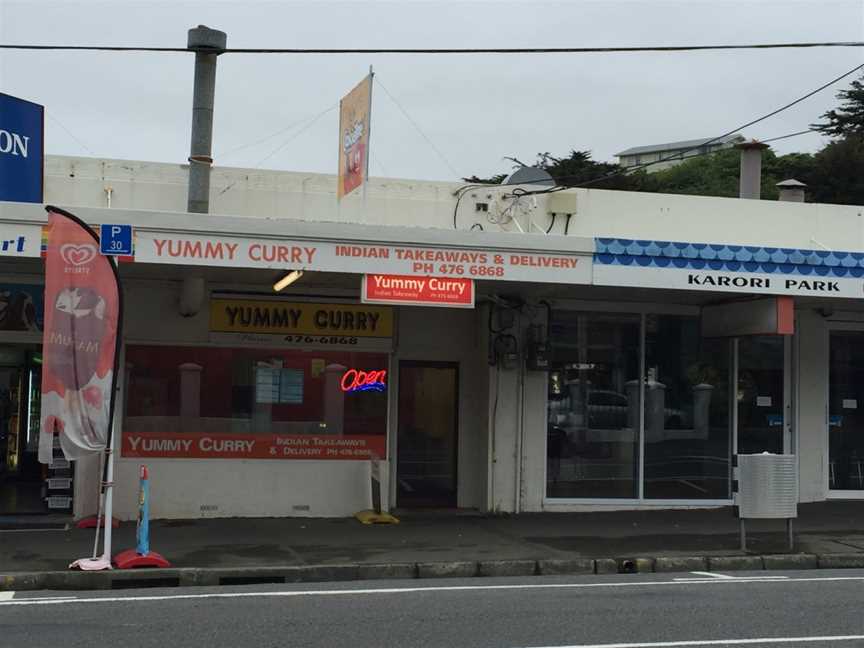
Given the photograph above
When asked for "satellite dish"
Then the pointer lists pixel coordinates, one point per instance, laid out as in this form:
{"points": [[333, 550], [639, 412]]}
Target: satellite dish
{"points": [[530, 175]]}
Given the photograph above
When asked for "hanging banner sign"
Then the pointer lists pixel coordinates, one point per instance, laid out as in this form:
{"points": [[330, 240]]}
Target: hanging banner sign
{"points": [[466, 263], [80, 339], [355, 111], [253, 446], [418, 291]]}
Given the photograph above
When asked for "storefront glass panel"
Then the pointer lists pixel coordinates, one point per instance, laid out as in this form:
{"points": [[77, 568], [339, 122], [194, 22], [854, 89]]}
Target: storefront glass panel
{"points": [[251, 391], [760, 395], [845, 417], [593, 406], [687, 422]]}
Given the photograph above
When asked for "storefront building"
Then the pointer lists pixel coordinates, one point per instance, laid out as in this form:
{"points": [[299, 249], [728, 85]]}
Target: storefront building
{"points": [[620, 360]]}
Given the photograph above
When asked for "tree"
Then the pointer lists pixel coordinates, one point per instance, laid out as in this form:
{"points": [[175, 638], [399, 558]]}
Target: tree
{"points": [[496, 179], [848, 119], [718, 174], [837, 177], [576, 169]]}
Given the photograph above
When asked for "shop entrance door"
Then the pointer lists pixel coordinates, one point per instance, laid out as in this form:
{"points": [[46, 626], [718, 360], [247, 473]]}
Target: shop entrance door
{"points": [[846, 413], [427, 440], [23, 486], [763, 394]]}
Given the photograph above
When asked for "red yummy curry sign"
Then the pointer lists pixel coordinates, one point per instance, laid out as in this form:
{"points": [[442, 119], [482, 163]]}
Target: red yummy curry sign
{"points": [[418, 291], [252, 446]]}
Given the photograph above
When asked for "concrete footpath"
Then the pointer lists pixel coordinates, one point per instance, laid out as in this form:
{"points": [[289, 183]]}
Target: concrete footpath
{"points": [[237, 551]]}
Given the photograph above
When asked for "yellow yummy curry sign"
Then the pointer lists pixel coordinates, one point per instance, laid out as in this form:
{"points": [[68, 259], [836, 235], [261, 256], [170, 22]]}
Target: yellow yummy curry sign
{"points": [[299, 318]]}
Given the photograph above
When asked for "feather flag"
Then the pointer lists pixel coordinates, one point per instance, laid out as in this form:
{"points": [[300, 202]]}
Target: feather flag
{"points": [[80, 339]]}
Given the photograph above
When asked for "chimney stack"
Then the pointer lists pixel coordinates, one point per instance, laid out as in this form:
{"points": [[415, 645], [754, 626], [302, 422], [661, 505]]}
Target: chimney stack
{"points": [[791, 190], [750, 179]]}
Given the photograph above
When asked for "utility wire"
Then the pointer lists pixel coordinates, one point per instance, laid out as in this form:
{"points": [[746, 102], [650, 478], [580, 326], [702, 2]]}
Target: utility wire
{"points": [[296, 135], [455, 50], [272, 135], [417, 127], [70, 133], [309, 125], [774, 139], [679, 154]]}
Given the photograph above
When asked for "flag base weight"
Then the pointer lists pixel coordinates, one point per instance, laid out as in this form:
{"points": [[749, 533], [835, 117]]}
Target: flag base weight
{"points": [[91, 564], [90, 523], [131, 559]]}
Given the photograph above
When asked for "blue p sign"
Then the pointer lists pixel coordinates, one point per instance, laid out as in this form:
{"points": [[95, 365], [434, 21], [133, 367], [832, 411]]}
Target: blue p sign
{"points": [[115, 240]]}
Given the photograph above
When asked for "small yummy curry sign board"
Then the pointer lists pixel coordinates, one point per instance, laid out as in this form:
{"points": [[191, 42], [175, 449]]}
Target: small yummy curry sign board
{"points": [[456, 292]]}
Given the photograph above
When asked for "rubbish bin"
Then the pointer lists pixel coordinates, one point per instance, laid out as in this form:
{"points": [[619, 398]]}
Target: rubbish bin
{"points": [[767, 489]]}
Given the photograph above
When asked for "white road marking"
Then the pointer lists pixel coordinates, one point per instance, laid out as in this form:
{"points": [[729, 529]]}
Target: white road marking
{"points": [[720, 642], [736, 578], [49, 598], [426, 589], [712, 575], [65, 527], [7, 596]]}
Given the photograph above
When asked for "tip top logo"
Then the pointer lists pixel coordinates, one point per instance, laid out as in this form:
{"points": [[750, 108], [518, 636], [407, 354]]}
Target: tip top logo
{"points": [[77, 256]]}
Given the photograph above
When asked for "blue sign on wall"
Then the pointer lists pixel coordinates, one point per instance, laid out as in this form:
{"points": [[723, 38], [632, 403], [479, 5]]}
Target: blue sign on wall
{"points": [[22, 144], [115, 240]]}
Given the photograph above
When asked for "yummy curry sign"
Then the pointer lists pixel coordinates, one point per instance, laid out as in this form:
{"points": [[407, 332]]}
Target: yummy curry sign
{"points": [[280, 317]]}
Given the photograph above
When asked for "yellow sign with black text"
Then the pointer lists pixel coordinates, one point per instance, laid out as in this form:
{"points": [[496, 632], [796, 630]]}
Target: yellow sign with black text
{"points": [[299, 318]]}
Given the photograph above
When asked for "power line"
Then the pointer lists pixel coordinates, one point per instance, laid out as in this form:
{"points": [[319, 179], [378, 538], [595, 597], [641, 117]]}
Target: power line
{"points": [[679, 154], [454, 50], [296, 135], [419, 130], [309, 125], [774, 139], [272, 135], [70, 134]]}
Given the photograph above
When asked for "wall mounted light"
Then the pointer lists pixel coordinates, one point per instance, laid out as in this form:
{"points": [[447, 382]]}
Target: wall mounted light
{"points": [[287, 280]]}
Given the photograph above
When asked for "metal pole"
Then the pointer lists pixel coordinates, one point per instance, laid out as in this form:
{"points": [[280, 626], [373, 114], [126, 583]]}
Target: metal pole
{"points": [[207, 44], [743, 533]]}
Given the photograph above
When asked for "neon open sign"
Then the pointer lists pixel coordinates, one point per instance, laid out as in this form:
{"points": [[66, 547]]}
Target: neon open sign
{"points": [[355, 380]]}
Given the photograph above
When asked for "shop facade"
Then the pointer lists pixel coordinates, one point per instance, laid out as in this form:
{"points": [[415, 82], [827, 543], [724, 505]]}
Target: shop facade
{"points": [[621, 361]]}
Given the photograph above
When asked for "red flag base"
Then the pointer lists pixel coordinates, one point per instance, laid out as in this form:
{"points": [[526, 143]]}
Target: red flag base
{"points": [[90, 523], [131, 559]]}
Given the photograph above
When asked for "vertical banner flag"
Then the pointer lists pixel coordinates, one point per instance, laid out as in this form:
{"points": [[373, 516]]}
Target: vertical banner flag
{"points": [[80, 339], [354, 114]]}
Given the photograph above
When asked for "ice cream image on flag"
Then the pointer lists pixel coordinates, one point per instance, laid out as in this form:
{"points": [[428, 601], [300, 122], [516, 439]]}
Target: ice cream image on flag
{"points": [[79, 340], [81, 412]]}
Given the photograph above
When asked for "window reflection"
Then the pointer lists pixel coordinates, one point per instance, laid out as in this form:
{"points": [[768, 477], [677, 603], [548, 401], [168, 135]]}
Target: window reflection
{"points": [[213, 390], [687, 433], [845, 418], [760, 394], [593, 416]]}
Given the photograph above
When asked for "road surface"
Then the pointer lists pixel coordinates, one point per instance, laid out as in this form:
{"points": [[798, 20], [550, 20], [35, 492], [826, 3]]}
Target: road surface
{"points": [[785, 609]]}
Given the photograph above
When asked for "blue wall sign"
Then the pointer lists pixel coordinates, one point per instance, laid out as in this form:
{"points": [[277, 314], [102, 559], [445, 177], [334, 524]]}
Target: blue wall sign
{"points": [[22, 148], [115, 240]]}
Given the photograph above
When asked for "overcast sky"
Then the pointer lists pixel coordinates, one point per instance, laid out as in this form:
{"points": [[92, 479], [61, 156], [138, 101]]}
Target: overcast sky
{"points": [[475, 109]]}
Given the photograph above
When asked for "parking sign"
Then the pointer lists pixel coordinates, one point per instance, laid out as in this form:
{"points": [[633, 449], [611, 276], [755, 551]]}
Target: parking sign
{"points": [[115, 240]]}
